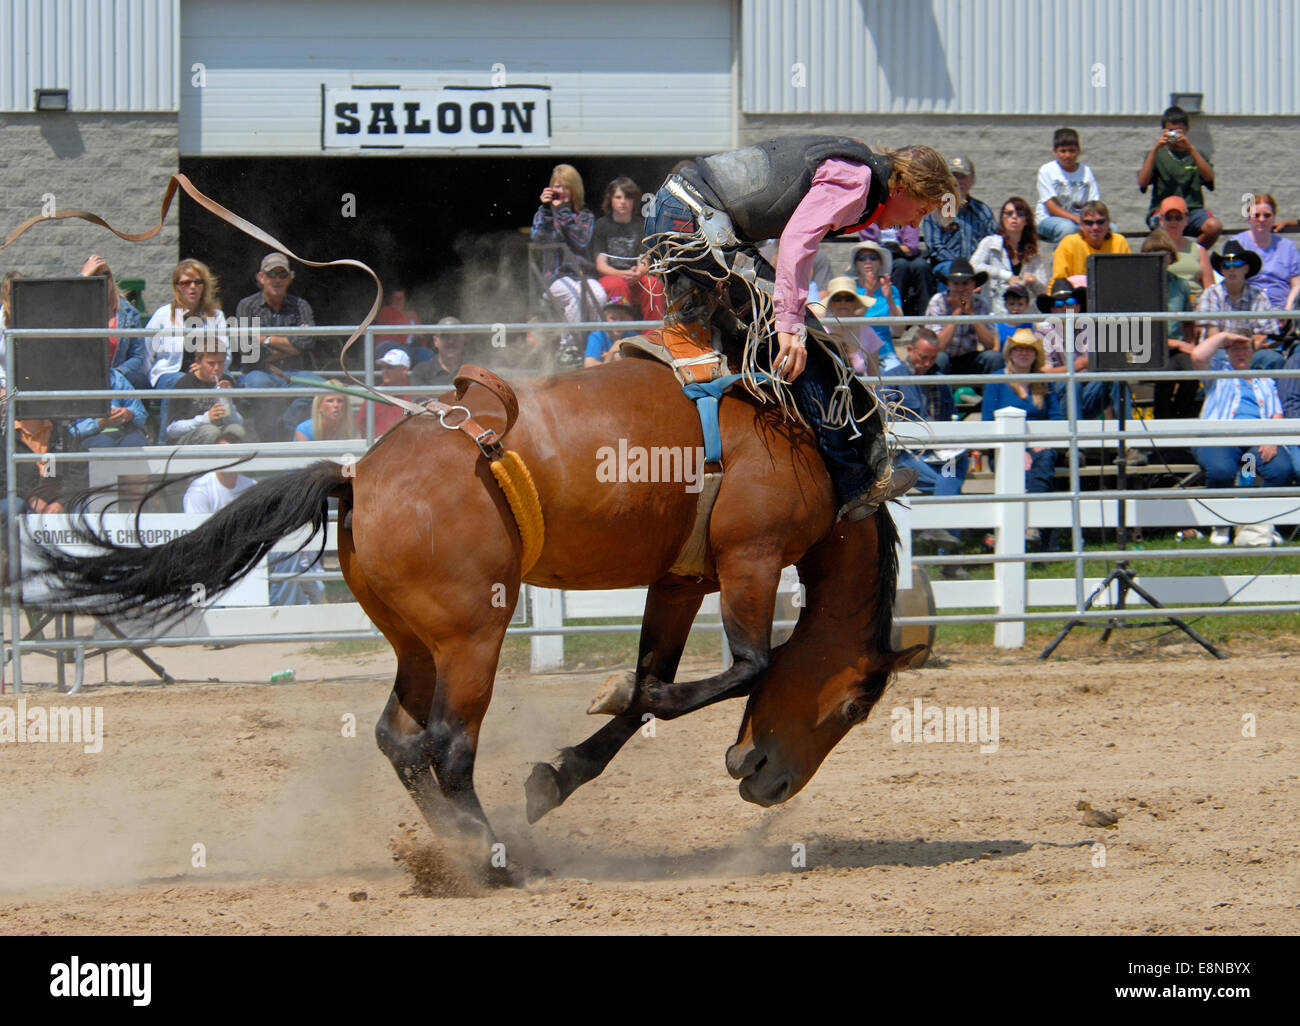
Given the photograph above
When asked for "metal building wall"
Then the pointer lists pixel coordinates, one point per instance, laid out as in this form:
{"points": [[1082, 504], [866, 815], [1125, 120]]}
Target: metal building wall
{"points": [[1018, 56], [111, 55], [625, 76]]}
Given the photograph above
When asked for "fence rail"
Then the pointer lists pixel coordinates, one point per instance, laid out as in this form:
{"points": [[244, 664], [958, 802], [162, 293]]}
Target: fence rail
{"points": [[1008, 511]]}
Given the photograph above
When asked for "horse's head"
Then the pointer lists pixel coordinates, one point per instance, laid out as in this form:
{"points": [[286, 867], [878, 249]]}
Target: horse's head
{"points": [[834, 668]]}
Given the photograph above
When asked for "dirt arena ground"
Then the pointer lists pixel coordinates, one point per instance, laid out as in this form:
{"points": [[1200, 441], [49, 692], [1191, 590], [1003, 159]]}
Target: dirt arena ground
{"points": [[299, 823]]}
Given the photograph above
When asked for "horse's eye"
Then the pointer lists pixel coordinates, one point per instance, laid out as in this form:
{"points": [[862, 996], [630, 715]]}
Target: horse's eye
{"points": [[851, 712]]}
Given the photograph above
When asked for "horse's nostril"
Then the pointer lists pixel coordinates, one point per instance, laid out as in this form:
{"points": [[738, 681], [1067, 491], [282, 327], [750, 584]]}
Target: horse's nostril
{"points": [[743, 759]]}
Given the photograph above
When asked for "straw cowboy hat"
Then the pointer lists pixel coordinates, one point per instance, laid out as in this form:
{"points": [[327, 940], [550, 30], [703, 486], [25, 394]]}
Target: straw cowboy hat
{"points": [[1026, 338]]}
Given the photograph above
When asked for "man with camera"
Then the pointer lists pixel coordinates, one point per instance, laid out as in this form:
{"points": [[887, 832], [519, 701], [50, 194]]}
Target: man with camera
{"points": [[1174, 167]]}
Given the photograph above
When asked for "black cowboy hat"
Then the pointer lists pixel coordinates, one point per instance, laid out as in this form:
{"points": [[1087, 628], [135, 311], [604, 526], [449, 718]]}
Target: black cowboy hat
{"points": [[961, 270], [1062, 289], [1233, 249]]}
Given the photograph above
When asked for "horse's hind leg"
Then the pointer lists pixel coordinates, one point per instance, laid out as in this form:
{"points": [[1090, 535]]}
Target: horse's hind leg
{"points": [[669, 613]]}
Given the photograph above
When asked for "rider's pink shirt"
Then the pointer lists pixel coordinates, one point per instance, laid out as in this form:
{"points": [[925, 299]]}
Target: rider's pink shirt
{"points": [[835, 200]]}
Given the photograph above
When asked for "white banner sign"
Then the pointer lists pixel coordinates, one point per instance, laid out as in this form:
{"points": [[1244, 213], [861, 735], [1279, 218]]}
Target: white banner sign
{"points": [[457, 117]]}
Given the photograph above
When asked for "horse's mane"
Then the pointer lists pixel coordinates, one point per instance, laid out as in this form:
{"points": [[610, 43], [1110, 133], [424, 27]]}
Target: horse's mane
{"points": [[881, 627]]}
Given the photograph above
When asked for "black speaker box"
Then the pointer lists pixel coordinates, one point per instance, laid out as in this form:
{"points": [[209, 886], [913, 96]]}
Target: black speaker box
{"points": [[45, 364], [1127, 283]]}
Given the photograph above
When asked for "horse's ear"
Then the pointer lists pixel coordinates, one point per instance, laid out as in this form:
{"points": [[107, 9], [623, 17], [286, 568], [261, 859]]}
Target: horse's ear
{"points": [[903, 659]]}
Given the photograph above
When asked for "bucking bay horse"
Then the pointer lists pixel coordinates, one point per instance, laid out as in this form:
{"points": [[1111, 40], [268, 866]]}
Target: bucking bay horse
{"points": [[430, 548]]}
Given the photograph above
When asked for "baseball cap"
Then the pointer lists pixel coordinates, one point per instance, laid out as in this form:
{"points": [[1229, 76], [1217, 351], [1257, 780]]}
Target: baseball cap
{"points": [[396, 358], [1173, 203], [961, 166], [273, 260], [1016, 290]]}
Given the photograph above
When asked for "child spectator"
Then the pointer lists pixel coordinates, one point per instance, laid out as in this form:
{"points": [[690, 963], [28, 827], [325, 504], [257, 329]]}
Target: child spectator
{"points": [[1016, 301], [1174, 167], [1094, 236], [1064, 186], [562, 219], [618, 246], [600, 344], [209, 419], [124, 425]]}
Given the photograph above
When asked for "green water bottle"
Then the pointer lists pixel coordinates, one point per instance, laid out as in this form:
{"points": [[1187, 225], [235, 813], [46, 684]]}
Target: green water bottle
{"points": [[282, 677]]}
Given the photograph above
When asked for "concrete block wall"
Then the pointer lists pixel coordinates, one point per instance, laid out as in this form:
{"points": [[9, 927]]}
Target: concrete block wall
{"points": [[1249, 154], [114, 165]]}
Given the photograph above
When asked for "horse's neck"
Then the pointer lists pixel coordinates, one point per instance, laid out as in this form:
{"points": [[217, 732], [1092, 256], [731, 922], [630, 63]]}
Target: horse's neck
{"points": [[841, 578]]}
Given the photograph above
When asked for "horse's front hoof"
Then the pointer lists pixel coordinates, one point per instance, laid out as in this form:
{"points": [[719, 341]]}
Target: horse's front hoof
{"points": [[615, 696], [542, 789]]}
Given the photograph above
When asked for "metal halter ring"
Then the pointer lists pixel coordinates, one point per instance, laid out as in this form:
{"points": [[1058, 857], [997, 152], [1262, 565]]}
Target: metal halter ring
{"points": [[452, 409]]}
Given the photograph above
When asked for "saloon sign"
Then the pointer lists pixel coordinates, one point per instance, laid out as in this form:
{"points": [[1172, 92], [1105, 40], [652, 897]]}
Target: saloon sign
{"points": [[459, 117]]}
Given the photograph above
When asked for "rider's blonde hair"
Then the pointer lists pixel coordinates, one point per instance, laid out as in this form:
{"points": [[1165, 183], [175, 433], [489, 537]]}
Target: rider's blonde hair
{"points": [[923, 174]]}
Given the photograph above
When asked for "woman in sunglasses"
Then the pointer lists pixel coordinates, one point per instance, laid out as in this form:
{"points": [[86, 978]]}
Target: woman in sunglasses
{"points": [[1192, 260], [1279, 272], [1094, 236], [193, 309]]}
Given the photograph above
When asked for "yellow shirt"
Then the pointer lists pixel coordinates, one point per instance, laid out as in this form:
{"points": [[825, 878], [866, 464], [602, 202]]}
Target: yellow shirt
{"points": [[1072, 252]]}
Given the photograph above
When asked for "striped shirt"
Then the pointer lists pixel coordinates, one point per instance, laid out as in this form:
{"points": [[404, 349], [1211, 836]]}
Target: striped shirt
{"points": [[1224, 394]]}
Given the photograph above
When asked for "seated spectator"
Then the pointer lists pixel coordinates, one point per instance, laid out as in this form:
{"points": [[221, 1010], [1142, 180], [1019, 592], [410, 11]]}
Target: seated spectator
{"points": [[1064, 186], [1193, 260], [449, 357], [216, 490], [126, 353], [908, 269], [870, 274], [932, 402], [1237, 263], [1175, 398], [1093, 396], [618, 245], [1016, 300], [864, 344], [1010, 256], [395, 372], [600, 344], [394, 311], [1024, 355], [562, 219], [1174, 167], [210, 418], [330, 421], [124, 425], [173, 330], [957, 239], [1254, 398], [964, 348], [276, 357], [1279, 271], [1094, 236]]}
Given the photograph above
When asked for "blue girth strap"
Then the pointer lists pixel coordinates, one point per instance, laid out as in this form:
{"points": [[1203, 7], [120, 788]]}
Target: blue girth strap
{"points": [[705, 395]]}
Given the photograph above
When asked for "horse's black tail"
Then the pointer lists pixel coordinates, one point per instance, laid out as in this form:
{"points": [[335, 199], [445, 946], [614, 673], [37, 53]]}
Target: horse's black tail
{"points": [[163, 581]]}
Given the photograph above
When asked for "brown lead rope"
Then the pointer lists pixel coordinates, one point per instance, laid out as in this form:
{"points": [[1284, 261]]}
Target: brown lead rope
{"points": [[253, 231]]}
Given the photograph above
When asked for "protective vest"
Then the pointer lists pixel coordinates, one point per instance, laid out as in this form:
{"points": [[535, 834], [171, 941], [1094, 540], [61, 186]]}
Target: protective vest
{"points": [[761, 185]]}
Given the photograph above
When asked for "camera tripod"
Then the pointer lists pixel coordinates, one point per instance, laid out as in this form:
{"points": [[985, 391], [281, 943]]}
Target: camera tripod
{"points": [[1121, 575]]}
